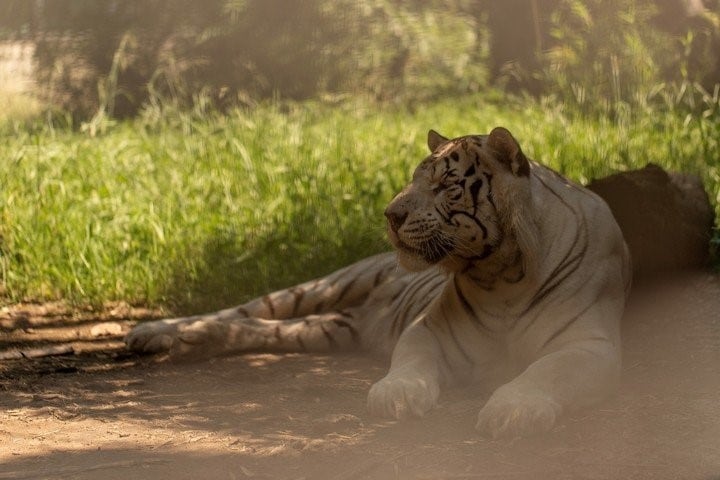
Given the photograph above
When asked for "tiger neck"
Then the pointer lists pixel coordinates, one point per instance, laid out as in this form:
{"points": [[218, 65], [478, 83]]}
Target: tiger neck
{"points": [[504, 266]]}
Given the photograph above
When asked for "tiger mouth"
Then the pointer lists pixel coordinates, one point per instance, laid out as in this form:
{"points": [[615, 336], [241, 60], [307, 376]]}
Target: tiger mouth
{"points": [[431, 252]]}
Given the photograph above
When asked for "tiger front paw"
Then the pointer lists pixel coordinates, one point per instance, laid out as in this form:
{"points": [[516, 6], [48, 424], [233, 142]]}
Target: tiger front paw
{"points": [[514, 412], [400, 396]]}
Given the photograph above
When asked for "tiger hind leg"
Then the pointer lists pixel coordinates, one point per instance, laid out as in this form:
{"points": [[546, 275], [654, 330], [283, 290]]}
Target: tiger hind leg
{"points": [[313, 333], [299, 318]]}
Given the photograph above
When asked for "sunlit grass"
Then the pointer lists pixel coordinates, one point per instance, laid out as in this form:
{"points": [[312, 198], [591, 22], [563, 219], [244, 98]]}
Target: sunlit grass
{"points": [[18, 108], [200, 210]]}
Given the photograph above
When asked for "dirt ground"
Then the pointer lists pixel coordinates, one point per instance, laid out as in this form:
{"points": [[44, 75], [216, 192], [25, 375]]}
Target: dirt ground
{"points": [[96, 411]]}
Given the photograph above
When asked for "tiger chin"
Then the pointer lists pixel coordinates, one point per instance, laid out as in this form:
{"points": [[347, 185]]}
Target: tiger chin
{"points": [[506, 269]]}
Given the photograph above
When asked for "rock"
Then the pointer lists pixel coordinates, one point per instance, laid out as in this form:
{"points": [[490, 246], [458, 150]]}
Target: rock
{"points": [[666, 218]]}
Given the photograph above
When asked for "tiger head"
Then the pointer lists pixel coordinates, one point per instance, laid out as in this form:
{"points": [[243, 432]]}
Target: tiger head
{"points": [[464, 204]]}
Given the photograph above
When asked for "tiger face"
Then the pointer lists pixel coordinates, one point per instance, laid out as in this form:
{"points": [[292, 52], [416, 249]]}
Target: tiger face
{"points": [[448, 214]]}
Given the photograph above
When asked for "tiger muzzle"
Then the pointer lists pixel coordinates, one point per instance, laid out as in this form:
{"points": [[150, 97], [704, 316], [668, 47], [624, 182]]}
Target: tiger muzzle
{"points": [[395, 218]]}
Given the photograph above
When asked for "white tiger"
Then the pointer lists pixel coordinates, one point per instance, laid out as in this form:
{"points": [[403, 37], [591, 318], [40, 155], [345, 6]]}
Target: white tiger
{"points": [[507, 270]]}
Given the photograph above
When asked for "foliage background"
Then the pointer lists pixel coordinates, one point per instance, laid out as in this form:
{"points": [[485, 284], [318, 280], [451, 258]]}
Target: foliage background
{"points": [[119, 55], [195, 153]]}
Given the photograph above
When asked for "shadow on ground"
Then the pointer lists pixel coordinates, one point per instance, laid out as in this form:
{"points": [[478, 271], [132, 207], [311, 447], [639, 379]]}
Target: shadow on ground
{"points": [[264, 416]]}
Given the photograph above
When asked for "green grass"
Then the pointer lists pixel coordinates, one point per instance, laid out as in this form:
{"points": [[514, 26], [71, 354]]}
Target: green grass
{"points": [[198, 210]]}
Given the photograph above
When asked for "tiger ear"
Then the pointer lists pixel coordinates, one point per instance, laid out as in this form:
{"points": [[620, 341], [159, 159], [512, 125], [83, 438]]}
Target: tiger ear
{"points": [[509, 153], [435, 140]]}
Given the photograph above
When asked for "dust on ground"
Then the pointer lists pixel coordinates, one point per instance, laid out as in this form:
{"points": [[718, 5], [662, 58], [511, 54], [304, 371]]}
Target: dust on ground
{"points": [[100, 412]]}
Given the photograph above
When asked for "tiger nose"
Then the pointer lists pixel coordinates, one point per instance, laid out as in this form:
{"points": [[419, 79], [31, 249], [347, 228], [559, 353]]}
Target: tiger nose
{"points": [[395, 218]]}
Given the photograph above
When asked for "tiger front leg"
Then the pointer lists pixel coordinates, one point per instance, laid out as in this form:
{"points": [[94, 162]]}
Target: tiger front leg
{"points": [[412, 385], [579, 374]]}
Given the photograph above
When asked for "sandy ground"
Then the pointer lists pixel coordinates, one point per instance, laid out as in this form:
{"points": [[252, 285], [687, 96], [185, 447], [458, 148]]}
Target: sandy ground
{"points": [[99, 412]]}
